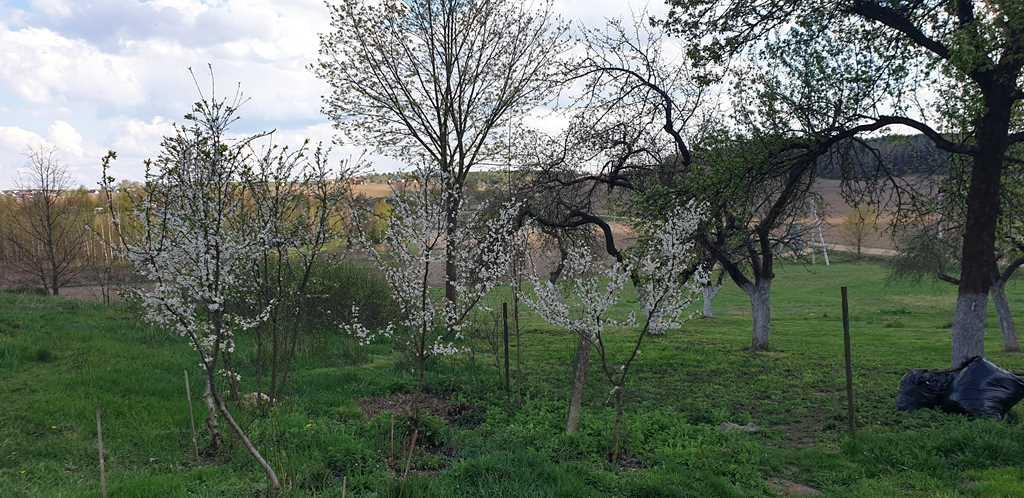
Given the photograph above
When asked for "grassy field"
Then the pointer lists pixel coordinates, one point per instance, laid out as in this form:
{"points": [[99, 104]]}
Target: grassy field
{"points": [[61, 359]]}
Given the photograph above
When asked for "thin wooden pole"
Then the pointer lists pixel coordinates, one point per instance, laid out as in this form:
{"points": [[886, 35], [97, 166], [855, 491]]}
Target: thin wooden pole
{"points": [[391, 442], [851, 426], [191, 417], [344, 486], [99, 444], [504, 319], [412, 447]]}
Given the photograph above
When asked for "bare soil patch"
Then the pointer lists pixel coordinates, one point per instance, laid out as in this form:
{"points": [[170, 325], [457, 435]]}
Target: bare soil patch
{"points": [[405, 405], [418, 404], [790, 488]]}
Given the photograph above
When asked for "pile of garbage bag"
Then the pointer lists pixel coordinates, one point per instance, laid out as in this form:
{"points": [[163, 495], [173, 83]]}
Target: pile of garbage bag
{"points": [[977, 387]]}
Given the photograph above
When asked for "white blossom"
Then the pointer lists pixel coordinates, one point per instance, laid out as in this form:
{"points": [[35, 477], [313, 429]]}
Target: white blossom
{"points": [[360, 332], [414, 246], [661, 267]]}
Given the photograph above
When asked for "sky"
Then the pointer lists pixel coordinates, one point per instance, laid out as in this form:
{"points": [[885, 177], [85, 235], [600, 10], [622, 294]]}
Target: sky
{"points": [[87, 76]]}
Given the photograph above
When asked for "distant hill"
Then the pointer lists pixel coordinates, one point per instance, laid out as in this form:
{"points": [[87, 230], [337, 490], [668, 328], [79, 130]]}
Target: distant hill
{"points": [[902, 154]]}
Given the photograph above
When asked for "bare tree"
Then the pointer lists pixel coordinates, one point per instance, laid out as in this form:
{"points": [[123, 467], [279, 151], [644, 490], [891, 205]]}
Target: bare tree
{"points": [[432, 79], [47, 228], [858, 225]]}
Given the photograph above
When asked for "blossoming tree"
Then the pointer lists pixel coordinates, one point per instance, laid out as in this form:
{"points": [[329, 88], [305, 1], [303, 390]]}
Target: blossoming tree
{"points": [[438, 78], [193, 236], [667, 278], [297, 196], [414, 248]]}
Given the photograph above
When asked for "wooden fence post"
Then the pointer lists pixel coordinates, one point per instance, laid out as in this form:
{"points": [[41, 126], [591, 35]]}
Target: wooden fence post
{"points": [[99, 444], [851, 426]]}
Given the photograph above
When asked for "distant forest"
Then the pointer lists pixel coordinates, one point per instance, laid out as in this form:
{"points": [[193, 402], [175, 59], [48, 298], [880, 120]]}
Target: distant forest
{"points": [[902, 154]]}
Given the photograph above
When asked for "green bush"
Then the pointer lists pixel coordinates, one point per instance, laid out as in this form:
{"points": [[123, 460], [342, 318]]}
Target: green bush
{"points": [[336, 287], [432, 431], [347, 454], [349, 412]]}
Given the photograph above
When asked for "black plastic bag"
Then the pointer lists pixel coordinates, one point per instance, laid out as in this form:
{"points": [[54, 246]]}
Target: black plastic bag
{"points": [[985, 390], [922, 388], [978, 388]]}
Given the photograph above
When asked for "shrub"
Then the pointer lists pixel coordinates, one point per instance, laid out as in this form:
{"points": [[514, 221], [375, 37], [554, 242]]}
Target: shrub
{"points": [[337, 287]]}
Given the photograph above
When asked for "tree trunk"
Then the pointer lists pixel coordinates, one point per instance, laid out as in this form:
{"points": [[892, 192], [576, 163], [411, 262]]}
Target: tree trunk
{"points": [[710, 291], [211, 418], [761, 311], [969, 327], [617, 427], [450, 267], [978, 258], [1006, 325], [275, 352], [275, 484], [563, 255], [233, 386], [581, 365]]}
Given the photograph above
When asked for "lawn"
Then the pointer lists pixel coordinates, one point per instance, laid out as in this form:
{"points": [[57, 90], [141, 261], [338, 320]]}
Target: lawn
{"points": [[61, 359]]}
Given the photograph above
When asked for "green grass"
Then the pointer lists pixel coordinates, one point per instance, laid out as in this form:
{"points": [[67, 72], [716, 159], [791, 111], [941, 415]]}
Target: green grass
{"points": [[59, 360]]}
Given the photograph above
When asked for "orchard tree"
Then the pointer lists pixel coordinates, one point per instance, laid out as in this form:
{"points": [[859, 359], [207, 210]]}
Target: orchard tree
{"points": [[932, 246], [666, 277], [297, 195], [414, 248], [197, 236], [657, 138], [913, 47], [710, 292], [48, 228], [431, 80]]}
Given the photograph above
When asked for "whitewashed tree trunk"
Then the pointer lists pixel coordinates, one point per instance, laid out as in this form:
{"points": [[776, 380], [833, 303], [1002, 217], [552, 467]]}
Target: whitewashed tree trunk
{"points": [[579, 383], [710, 291], [1006, 325], [969, 327], [761, 311], [212, 425]]}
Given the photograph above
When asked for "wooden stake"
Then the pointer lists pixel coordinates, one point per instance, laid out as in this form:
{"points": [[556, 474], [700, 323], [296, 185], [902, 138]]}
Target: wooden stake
{"points": [[504, 320], [191, 418], [851, 426], [344, 486], [99, 444], [412, 447], [391, 442]]}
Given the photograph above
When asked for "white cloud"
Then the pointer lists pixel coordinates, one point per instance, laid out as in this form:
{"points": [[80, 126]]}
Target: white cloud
{"points": [[43, 67], [66, 138], [92, 75], [59, 8], [71, 148], [15, 142], [134, 138]]}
